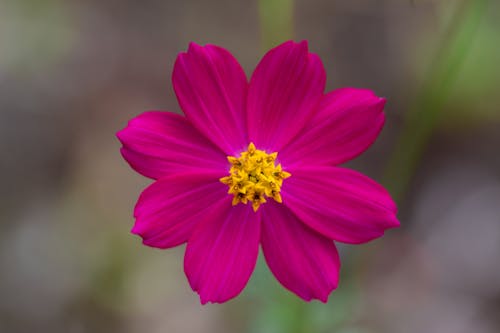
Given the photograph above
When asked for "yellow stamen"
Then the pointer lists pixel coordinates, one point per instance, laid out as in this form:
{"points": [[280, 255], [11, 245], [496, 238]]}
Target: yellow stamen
{"points": [[254, 176]]}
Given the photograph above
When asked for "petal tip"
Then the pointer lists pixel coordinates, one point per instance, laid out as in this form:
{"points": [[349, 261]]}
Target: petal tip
{"points": [[136, 230], [206, 298], [394, 223], [192, 46], [381, 102], [120, 135], [324, 298], [304, 43], [302, 46]]}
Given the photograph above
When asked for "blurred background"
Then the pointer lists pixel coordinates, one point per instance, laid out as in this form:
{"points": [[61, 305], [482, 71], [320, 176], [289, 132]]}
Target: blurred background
{"points": [[72, 72]]}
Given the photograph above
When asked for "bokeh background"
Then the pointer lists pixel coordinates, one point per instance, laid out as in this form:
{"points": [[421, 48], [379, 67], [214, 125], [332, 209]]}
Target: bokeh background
{"points": [[72, 72]]}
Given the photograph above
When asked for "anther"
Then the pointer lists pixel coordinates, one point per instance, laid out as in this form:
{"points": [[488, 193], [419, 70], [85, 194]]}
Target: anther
{"points": [[254, 176]]}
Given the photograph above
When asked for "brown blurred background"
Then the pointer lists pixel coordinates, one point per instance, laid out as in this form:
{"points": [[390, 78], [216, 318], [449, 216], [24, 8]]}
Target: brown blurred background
{"points": [[73, 72]]}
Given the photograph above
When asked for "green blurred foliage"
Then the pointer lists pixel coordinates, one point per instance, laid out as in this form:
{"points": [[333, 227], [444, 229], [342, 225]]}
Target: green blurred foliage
{"points": [[276, 22], [35, 34], [427, 110]]}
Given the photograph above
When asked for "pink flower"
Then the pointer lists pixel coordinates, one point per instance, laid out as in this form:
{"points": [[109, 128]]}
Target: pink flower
{"points": [[257, 163]]}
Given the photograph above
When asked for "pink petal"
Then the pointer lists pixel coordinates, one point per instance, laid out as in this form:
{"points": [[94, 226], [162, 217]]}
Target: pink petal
{"points": [[347, 123], [302, 260], [211, 88], [169, 209], [222, 252], [341, 204], [157, 144], [284, 92]]}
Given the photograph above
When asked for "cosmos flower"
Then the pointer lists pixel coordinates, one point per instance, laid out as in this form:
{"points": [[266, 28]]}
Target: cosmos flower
{"points": [[256, 163]]}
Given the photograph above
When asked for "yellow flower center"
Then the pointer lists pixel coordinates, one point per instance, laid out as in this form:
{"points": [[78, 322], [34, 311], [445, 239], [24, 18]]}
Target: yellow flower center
{"points": [[254, 176]]}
